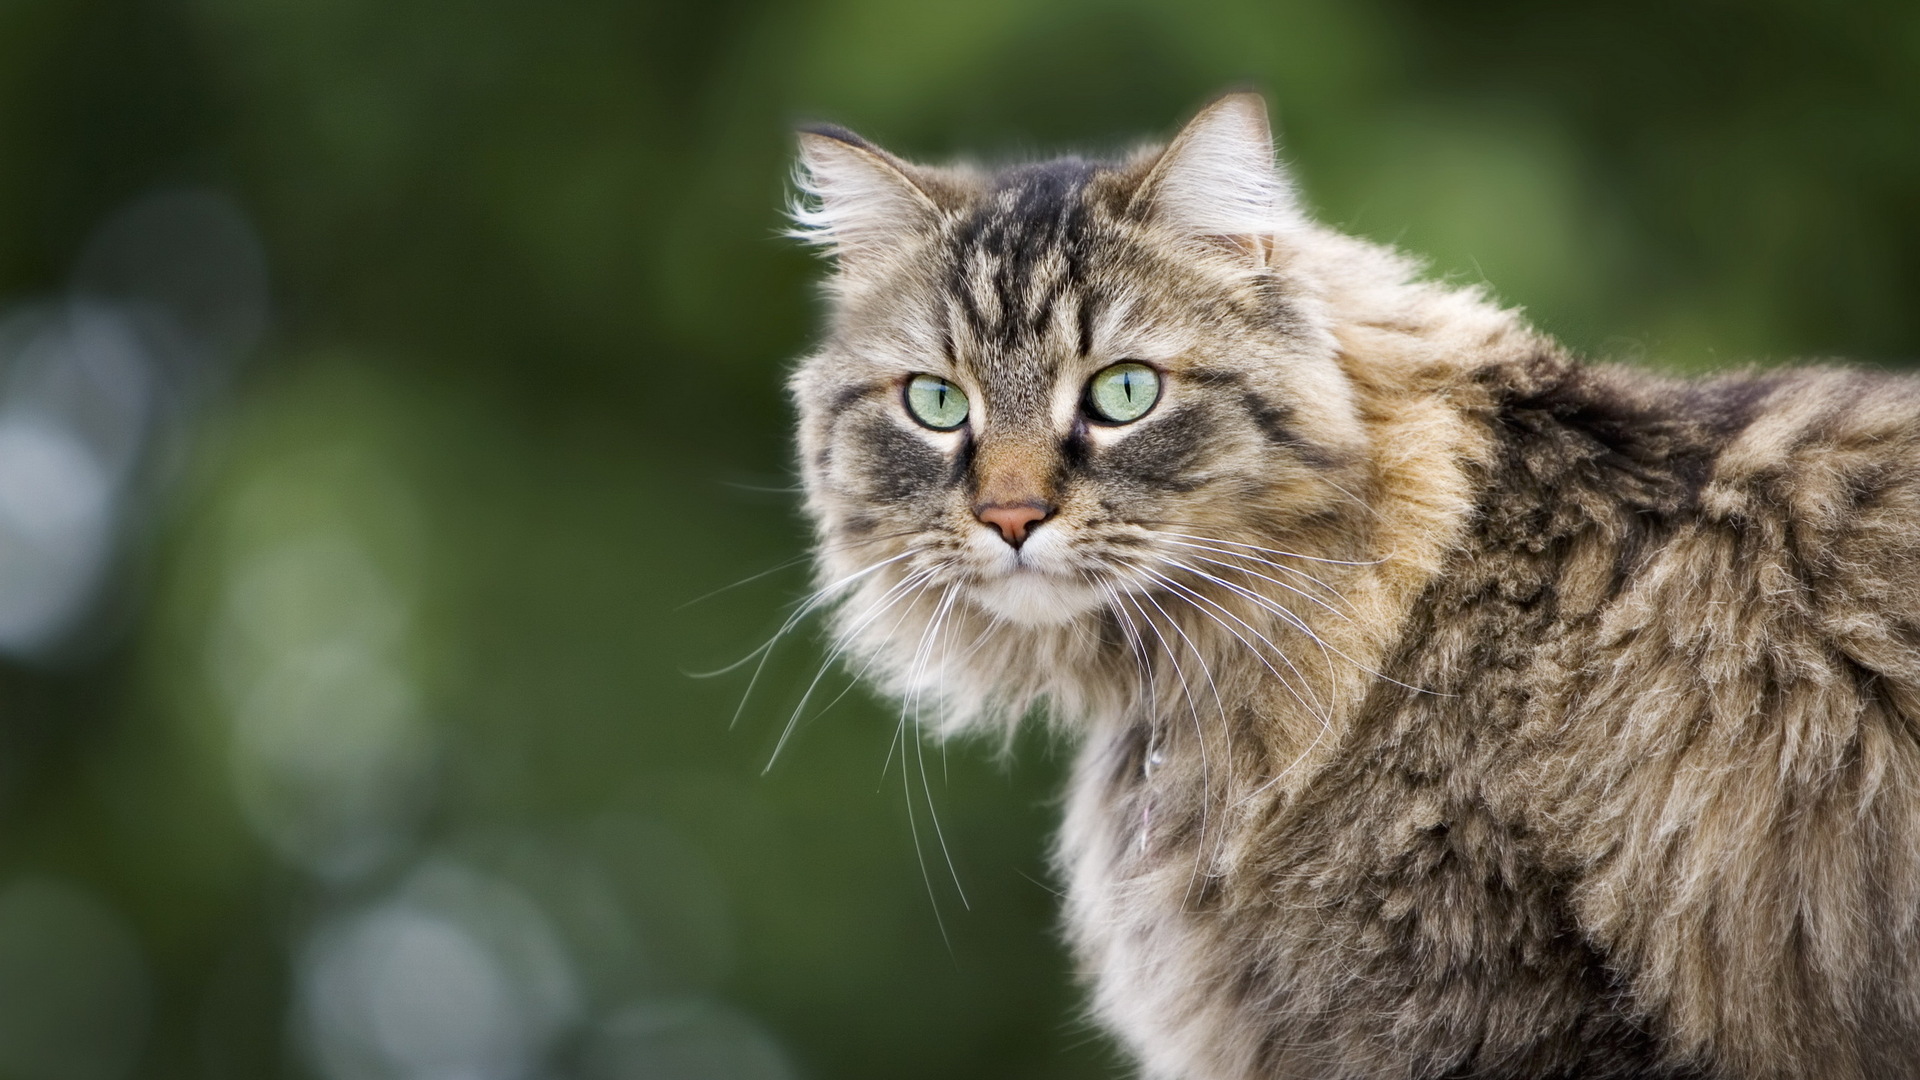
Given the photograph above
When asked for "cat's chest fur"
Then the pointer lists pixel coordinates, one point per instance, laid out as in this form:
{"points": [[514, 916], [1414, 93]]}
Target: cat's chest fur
{"points": [[1395, 933]]}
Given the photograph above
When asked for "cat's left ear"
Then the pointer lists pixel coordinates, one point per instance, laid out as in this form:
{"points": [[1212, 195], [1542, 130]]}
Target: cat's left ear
{"points": [[1218, 182]]}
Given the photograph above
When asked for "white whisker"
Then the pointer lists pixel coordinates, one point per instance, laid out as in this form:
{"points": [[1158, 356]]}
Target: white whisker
{"points": [[1206, 773], [795, 561], [1130, 631], [910, 704], [808, 605], [1318, 710], [1301, 624], [1255, 573], [920, 753], [1271, 551], [898, 592]]}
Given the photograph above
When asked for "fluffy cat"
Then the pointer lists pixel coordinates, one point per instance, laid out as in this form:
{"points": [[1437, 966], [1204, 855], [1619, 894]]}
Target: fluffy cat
{"points": [[1446, 706]]}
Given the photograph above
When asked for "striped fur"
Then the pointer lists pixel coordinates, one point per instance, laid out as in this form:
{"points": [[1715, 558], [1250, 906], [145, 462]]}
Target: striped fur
{"points": [[1447, 707]]}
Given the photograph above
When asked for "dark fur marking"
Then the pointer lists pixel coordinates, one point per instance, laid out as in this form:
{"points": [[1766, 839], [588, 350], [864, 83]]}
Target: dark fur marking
{"points": [[962, 472], [903, 467], [1275, 421], [1281, 314], [1043, 311], [1160, 453], [1574, 424], [1076, 451], [848, 396], [838, 134], [1131, 752], [959, 293], [1726, 407], [1043, 213]]}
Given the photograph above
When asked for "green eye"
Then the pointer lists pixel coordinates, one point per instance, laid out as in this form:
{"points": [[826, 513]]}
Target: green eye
{"points": [[1124, 392], [936, 402]]}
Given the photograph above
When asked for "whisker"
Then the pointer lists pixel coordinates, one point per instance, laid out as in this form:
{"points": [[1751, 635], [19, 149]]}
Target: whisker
{"points": [[813, 602], [1326, 724], [1198, 655], [913, 826], [1301, 624], [808, 605], [909, 703], [1206, 771], [1286, 614], [1315, 707], [898, 592], [748, 580], [1273, 551], [762, 489], [920, 753], [795, 561], [899, 730], [1357, 500], [1230, 553], [1131, 632], [939, 833], [1255, 573]]}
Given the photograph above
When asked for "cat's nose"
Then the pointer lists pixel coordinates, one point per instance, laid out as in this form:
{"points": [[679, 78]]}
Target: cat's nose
{"points": [[1014, 518]]}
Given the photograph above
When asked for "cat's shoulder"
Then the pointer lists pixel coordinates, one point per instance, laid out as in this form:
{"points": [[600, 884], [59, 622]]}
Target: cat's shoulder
{"points": [[1797, 487]]}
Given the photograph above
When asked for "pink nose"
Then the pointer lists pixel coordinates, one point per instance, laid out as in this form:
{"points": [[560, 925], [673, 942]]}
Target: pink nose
{"points": [[1012, 519]]}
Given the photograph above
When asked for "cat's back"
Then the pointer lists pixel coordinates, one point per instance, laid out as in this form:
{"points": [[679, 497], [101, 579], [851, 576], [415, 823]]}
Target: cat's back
{"points": [[1766, 523], [1720, 671], [1686, 720]]}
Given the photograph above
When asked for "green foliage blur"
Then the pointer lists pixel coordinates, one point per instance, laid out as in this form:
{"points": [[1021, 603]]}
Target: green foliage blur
{"points": [[378, 754]]}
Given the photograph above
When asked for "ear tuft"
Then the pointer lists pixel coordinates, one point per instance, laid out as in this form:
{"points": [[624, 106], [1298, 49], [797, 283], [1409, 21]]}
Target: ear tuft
{"points": [[1218, 179], [854, 198]]}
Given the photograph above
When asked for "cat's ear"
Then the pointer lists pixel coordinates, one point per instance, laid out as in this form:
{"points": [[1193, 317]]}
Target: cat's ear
{"points": [[856, 200], [1218, 181]]}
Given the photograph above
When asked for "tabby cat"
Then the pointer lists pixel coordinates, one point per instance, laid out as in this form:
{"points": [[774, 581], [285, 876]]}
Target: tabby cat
{"points": [[1446, 706]]}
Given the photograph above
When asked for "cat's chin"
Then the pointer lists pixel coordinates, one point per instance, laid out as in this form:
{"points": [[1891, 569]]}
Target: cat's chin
{"points": [[1034, 598]]}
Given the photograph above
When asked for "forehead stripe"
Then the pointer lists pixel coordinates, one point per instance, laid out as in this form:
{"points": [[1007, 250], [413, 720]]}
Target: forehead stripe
{"points": [[1021, 249]]}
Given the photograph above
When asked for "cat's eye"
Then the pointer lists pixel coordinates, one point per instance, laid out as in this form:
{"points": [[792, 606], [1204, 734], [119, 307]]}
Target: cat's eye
{"points": [[936, 402], [1124, 392]]}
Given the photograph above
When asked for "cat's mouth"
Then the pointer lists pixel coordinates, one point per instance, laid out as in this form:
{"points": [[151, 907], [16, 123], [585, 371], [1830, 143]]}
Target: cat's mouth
{"points": [[1036, 584], [1036, 598]]}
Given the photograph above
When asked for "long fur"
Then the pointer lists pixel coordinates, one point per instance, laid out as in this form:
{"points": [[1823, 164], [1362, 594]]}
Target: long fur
{"points": [[1447, 707]]}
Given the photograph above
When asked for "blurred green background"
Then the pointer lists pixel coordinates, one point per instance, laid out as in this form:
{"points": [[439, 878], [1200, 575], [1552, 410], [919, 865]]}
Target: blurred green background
{"points": [[380, 381]]}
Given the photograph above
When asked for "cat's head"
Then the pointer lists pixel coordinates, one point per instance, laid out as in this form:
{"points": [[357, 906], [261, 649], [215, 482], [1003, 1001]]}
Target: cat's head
{"points": [[1043, 386]]}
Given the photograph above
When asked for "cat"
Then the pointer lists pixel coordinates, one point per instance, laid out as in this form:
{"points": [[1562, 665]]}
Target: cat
{"points": [[1446, 705]]}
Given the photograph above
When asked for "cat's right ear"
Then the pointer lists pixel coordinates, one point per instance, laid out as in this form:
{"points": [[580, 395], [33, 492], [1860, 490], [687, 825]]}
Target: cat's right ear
{"points": [[856, 200]]}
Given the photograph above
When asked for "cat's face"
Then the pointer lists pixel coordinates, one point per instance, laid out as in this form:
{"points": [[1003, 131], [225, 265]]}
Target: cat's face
{"points": [[1061, 384]]}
